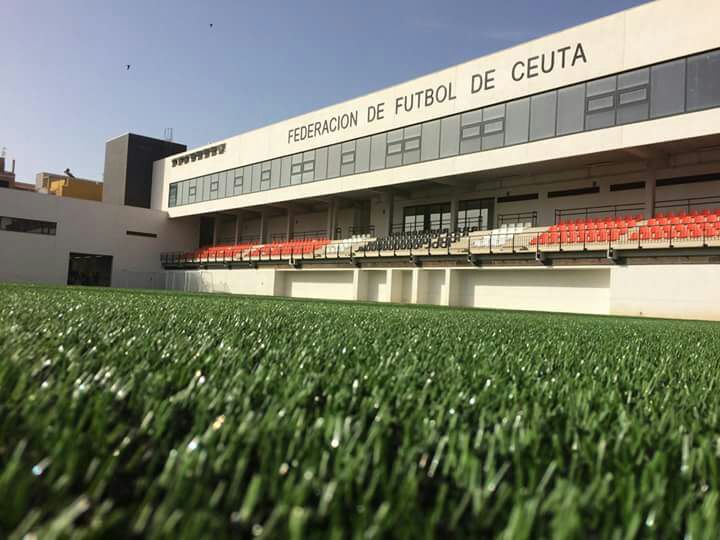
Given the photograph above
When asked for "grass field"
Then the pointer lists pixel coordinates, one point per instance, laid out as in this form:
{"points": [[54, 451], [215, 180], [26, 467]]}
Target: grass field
{"points": [[184, 416]]}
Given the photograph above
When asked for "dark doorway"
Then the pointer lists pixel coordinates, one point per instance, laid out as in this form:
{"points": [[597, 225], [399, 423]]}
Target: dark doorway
{"points": [[89, 269], [207, 231]]}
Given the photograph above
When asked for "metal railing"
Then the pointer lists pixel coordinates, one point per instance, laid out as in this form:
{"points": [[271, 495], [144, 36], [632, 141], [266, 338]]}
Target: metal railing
{"points": [[687, 205], [613, 211], [521, 217], [486, 242]]}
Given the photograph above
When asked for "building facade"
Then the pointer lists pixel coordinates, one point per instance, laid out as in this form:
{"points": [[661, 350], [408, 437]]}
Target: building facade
{"points": [[62, 185]]}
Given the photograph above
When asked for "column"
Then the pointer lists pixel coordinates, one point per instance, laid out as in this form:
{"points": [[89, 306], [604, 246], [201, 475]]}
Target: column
{"points": [[454, 203], [389, 210], [237, 228], [216, 221], [263, 226], [290, 227], [331, 219], [650, 193]]}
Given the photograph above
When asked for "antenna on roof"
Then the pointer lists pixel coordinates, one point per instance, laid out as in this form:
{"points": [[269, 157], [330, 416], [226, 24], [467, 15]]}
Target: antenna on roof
{"points": [[168, 136], [3, 152]]}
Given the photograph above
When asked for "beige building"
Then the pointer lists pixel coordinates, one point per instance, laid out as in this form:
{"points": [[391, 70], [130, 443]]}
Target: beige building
{"points": [[62, 185]]}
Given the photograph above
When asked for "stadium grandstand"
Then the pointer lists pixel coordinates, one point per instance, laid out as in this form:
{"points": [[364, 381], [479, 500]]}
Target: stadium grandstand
{"points": [[577, 172]]}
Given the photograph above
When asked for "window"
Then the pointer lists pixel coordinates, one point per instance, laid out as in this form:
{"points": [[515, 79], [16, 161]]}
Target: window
{"points": [[427, 217], [703, 81], [474, 213], [173, 195], [32, 226]]}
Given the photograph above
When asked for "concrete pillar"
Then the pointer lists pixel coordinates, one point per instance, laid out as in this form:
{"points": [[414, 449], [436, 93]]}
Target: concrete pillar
{"points": [[389, 200], [454, 203], [263, 226], [394, 285], [237, 228], [452, 282], [650, 193], [331, 219], [290, 228], [359, 284], [415, 296], [216, 222]]}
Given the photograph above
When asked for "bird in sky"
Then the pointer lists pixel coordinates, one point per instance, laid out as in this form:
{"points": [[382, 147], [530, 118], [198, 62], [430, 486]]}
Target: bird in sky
{"points": [[211, 25], [127, 67]]}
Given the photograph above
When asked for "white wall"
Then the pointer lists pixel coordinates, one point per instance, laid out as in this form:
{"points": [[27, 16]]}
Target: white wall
{"points": [[93, 228], [675, 291], [633, 38]]}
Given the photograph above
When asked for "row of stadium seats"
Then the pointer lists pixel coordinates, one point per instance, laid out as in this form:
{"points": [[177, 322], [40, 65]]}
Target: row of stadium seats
{"points": [[667, 232], [596, 223], [412, 240], [286, 249]]}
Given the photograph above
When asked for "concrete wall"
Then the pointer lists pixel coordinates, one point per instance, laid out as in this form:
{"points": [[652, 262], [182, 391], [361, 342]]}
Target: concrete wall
{"points": [[93, 228], [672, 291]]}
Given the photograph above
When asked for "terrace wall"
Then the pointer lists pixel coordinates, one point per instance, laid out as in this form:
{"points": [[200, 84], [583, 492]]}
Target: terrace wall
{"points": [[674, 291]]}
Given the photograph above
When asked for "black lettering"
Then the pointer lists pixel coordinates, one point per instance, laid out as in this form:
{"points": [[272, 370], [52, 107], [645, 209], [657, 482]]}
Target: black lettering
{"points": [[297, 134], [290, 132], [489, 79], [579, 54], [318, 125], [398, 104], [451, 96], [371, 114], [476, 83], [549, 68], [333, 123], [381, 111], [562, 55], [326, 128], [353, 118], [518, 77], [430, 97], [532, 67]]}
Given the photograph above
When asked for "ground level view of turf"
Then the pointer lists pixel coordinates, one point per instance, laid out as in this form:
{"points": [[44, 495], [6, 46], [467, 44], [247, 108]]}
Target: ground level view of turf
{"points": [[125, 413]]}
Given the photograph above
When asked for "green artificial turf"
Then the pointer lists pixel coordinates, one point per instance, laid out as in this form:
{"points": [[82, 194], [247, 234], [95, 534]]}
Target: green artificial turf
{"points": [[125, 413]]}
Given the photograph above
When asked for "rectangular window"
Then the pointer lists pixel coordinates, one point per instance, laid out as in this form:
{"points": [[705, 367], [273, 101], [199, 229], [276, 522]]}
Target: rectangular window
{"points": [[667, 89], [275, 169], [450, 136], [362, 155], [431, 217], [430, 147], [347, 159], [308, 166], [571, 110], [172, 199], [518, 198], [377, 152], [703, 81], [474, 214], [543, 110], [627, 186], [600, 103], [321, 163], [31, 226], [192, 193], [573, 192], [138, 233], [517, 121], [333, 168]]}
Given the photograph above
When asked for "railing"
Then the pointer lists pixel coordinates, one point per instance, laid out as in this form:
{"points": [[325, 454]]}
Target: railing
{"points": [[522, 217], [486, 242], [598, 211], [363, 229], [687, 205]]}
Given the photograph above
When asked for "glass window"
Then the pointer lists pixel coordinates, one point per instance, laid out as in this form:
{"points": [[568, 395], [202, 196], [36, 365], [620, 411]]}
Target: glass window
{"points": [[667, 89], [633, 104], [321, 163], [285, 166], [450, 136], [517, 121], [275, 172], [308, 166], [247, 179], [256, 171], [471, 123], [571, 109], [427, 217], [600, 101], [347, 158], [172, 198], [703, 81], [32, 226], [238, 182], [362, 155], [493, 127], [377, 152], [411, 144], [333, 168], [543, 108], [204, 193], [474, 214]]}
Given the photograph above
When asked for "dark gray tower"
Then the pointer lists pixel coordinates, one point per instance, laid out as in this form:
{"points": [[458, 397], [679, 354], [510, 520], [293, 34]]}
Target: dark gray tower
{"points": [[129, 166]]}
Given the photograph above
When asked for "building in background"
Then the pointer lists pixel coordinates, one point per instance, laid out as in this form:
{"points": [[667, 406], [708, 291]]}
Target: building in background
{"points": [[62, 185], [8, 180]]}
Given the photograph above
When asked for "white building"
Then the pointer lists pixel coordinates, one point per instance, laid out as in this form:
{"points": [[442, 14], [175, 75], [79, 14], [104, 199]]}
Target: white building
{"points": [[618, 118]]}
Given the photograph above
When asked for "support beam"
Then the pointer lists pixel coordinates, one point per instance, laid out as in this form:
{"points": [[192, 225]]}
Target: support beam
{"points": [[331, 219], [237, 228], [216, 222], [263, 226], [650, 193], [290, 227]]}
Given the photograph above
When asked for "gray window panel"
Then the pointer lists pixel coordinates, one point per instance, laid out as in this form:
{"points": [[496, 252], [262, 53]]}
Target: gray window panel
{"points": [[631, 96], [309, 156], [602, 86], [308, 166], [247, 179], [430, 147], [630, 79], [450, 136], [412, 156], [494, 135], [571, 110], [296, 172], [362, 155], [321, 163], [347, 158], [634, 112], [703, 81], [600, 103], [285, 171], [296, 168], [205, 192], [222, 179], [412, 131], [412, 144], [667, 89], [471, 131], [472, 117], [517, 120], [394, 136], [492, 127], [182, 193], [265, 175], [308, 176], [264, 184], [494, 112], [470, 145], [377, 152], [333, 168], [275, 170], [393, 160], [602, 119], [543, 110], [256, 170], [394, 148], [238, 181], [297, 158]]}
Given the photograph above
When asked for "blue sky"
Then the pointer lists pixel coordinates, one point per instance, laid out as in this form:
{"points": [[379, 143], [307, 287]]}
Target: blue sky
{"points": [[64, 89]]}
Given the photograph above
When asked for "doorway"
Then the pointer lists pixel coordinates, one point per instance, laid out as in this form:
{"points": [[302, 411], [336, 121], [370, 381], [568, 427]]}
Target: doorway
{"points": [[90, 270]]}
